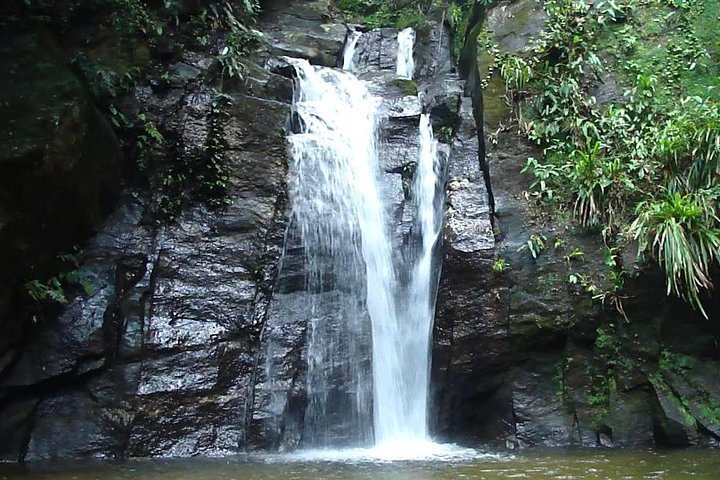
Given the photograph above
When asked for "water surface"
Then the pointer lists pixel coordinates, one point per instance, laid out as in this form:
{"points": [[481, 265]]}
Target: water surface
{"points": [[592, 465]]}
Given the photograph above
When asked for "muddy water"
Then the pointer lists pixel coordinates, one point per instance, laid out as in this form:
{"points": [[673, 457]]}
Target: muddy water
{"points": [[606, 465]]}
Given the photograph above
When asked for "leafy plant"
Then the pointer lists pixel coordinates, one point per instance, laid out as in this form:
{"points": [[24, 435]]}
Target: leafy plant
{"points": [[147, 141], [574, 255], [54, 289], [535, 244], [239, 39], [682, 232], [645, 168], [499, 265], [213, 174], [103, 81], [394, 13]]}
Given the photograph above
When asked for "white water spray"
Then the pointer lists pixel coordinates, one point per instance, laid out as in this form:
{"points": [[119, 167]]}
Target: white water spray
{"points": [[405, 63]]}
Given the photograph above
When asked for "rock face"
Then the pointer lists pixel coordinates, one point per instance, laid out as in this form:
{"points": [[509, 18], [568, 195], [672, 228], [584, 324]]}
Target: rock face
{"points": [[59, 166], [159, 359], [166, 355], [522, 357]]}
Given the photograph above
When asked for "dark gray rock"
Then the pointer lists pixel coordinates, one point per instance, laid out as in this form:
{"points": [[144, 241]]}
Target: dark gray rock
{"points": [[59, 167], [433, 50], [303, 29], [16, 425], [515, 24], [542, 416], [376, 51], [470, 334], [674, 425]]}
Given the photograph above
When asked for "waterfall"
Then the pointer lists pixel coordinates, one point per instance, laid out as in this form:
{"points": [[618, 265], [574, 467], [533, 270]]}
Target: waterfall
{"points": [[337, 208], [349, 52], [401, 345], [355, 300], [420, 308], [405, 63]]}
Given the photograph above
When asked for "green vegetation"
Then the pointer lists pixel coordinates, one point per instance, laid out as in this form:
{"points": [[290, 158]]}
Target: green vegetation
{"points": [[54, 290], [112, 72], [675, 362], [607, 371], [535, 245], [212, 174], [240, 38], [700, 405], [381, 13], [642, 167], [499, 265]]}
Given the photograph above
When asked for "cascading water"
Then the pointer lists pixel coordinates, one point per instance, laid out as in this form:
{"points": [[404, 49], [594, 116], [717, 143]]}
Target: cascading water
{"points": [[349, 52], [337, 207], [405, 63], [403, 341], [339, 214]]}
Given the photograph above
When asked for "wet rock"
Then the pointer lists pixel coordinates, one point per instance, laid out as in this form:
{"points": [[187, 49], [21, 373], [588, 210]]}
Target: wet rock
{"points": [[697, 402], [303, 29], [72, 425], [159, 359], [674, 425], [182, 73], [442, 98], [433, 49], [630, 418], [515, 24], [277, 407], [605, 439], [62, 347], [542, 416], [376, 51], [15, 423], [188, 426], [193, 403], [59, 168], [471, 398]]}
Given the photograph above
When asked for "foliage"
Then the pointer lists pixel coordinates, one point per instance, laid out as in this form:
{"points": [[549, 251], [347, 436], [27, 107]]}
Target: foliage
{"points": [[535, 244], [606, 372], [132, 17], [382, 13], [446, 135], [643, 168], [675, 362], [574, 255], [239, 39], [682, 232], [103, 81], [499, 265], [213, 175], [55, 289], [148, 141], [176, 180]]}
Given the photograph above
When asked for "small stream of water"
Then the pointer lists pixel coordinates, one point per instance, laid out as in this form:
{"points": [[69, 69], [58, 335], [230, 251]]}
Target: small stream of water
{"points": [[405, 62]]}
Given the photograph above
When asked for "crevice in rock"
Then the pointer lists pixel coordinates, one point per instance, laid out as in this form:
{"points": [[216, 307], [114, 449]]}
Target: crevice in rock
{"points": [[279, 219], [477, 102], [24, 447], [52, 385]]}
